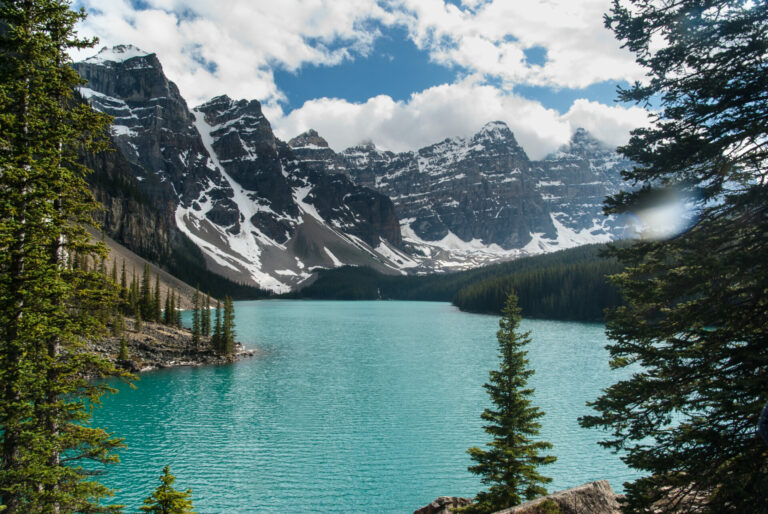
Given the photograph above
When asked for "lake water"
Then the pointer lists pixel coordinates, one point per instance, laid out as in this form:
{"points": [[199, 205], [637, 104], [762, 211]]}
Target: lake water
{"points": [[351, 407]]}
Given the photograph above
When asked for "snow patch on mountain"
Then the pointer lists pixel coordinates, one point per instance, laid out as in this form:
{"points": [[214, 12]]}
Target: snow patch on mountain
{"points": [[116, 54]]}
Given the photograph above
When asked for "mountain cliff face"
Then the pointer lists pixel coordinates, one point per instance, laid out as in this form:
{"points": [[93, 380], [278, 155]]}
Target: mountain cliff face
{"points": [[464, 202], [258, 214], [574, 181], [267, 213]]}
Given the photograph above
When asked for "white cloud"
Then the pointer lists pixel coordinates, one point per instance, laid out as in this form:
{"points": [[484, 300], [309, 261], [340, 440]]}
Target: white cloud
{"points": [[492, 37], [610, 124], [458, 109], [209, 48]]}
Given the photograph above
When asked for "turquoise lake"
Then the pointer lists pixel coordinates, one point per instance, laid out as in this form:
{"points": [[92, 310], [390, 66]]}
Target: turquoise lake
{"points": [[351, 407]]}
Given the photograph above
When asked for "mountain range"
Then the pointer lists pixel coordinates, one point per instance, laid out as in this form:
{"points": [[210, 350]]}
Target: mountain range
{"points": [[214, 181]]}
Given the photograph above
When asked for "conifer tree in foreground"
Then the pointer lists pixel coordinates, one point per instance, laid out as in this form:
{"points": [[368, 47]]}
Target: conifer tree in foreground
{"points": [[48, 308], [510, 461], [694, 325], [166, 499]]}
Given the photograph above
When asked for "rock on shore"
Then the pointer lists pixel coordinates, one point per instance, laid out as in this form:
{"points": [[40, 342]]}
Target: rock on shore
{"points": [[592, 498]]}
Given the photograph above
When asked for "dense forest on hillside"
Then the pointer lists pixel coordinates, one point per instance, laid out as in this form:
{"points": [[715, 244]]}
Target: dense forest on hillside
{"points": [[569, 284]]}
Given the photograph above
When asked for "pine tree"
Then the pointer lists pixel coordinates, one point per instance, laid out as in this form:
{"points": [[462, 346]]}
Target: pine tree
{"points": [[217, 341], [138, 325], [145, 294], [123, 278], [167, 500], [168, 311], [694, 325], [156, 301], [48, 310], [228, 327], [178, 312], [196, 317], [206, 316], [509, 463], [113, 274], [123, 354]]}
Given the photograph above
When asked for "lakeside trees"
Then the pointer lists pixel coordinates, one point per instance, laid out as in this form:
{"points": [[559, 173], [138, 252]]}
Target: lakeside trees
{"points": [[695, 321], [509, 462], [48, 308]]}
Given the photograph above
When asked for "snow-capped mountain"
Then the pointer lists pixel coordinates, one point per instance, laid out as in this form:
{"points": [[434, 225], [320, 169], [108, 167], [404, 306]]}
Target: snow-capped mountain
{"points": [[465, 202], [268, 213], [258, 214]]}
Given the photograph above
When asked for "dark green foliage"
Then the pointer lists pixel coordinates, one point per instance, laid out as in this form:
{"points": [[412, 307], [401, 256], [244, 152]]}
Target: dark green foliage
{"points": [[569, 284], [510, 461], [579, 291], [177, 312], [196, 317], [51, 305], [167, 500], [123, 354], [216, 338], [123, 283], [695, 322], [228, 327], [170, 308], [206, 316], [156, 301], [146, 304]]}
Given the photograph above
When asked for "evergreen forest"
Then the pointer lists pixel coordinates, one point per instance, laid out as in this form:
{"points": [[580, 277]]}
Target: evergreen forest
{"points": [[568, 285]]}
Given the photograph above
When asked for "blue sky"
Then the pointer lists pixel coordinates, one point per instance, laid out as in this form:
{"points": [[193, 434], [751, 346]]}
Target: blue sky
{"points": [[402, 73]]}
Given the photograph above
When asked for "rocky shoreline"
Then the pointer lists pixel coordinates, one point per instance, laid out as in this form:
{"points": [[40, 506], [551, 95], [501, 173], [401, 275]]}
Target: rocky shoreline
{"points": [[159, 346], [592, 498]]}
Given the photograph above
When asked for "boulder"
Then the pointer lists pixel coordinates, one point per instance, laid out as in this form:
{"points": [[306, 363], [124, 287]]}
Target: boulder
{"points": [[592, 498], [444, 505]]}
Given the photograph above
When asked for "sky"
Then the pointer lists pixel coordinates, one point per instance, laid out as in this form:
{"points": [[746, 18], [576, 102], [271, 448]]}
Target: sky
{"points": [[400, 73]]}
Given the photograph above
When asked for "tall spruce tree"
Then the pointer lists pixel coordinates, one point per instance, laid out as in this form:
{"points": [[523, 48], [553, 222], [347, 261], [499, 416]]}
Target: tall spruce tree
{"points": [[48, 308], [123, 279], [196, 316], [228, 327], [168, 310], [156, 301], [216, 338], [145, 294], [177, 311], [695, 325], [206, 316], [510, 461]]}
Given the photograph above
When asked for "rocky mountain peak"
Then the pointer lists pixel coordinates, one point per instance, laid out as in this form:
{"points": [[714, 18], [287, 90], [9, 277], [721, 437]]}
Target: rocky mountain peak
{"points": [[222, 109], [495, 131], [583, 144], [308, 139], [117, 54]]}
